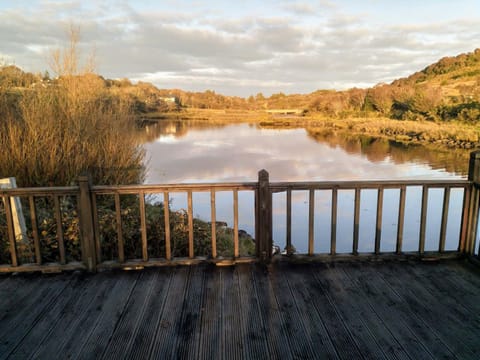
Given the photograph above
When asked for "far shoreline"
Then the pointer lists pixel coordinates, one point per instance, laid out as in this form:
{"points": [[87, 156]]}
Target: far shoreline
{"points": [[452, 135]]}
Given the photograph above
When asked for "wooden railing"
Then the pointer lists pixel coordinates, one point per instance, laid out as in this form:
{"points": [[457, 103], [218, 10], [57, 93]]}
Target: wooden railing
{"points": [[82, 203], [358, 187], [165, 190]]}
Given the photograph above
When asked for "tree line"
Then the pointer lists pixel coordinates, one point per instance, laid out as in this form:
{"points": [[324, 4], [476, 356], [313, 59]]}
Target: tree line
{"points": [[444, 91]]}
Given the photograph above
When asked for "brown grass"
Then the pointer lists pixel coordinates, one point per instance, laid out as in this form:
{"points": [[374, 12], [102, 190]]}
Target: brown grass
{"points": [[55, 133]]}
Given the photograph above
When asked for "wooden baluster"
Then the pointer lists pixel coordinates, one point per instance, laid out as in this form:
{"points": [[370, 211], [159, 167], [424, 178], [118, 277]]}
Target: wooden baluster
{"points": [[401, 219], [118, 213], [289, 222], [143, 227], [235, 224], [423, 220], [166, 214], [465, 218], [443, 229], [311, 224], [356, 221], [333, 237], [213, 218], [36, 239], [378, 227], [58, 219], [191, 250], [96, 229]]}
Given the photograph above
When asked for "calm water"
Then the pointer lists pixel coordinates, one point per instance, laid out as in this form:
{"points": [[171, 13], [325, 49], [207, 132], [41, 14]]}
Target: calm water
{"points": [[178, 153]]}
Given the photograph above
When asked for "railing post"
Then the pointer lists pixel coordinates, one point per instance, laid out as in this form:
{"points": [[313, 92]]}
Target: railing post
{"points": [[87, 233], [263, 217], [473, 203]]}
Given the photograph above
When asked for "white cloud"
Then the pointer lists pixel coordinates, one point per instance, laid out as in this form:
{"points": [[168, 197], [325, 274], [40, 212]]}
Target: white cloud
{"points": [[246, 49]]}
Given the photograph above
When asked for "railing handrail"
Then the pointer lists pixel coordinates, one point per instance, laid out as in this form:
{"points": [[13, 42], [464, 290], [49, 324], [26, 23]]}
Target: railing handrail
{"points": [[153, 188], [364, 184], [40, 191], [278, 186], [228, 186]]}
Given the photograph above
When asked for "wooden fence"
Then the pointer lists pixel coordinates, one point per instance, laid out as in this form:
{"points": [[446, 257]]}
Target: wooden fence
{"points": [[88, 243]]}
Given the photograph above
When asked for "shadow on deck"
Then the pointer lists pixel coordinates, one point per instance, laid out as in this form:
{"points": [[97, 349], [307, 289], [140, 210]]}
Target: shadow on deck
{"points": [[346, 310]]}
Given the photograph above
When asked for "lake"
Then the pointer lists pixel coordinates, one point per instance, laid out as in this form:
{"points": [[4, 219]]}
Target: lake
{"points": [[194, 152]]}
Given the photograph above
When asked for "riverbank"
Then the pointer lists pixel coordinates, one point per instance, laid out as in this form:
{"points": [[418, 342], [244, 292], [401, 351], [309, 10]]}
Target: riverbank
{"points": [[447, 135], [452, 135]]}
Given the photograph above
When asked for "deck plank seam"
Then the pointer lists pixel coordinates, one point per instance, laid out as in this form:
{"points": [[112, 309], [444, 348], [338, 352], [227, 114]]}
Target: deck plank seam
{"points": [[99, 319], [341, 317], [345, 280], [119, 320], [46, 308], [300, 324], [321, 323], [373, 309], [338, 350], [452, 294], [405, 324], [160, 314], [78, 295], [417, 314], [138, 321]]}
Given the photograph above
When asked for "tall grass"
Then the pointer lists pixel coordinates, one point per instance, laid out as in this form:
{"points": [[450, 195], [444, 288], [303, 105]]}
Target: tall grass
{"points": [[52, 133]]}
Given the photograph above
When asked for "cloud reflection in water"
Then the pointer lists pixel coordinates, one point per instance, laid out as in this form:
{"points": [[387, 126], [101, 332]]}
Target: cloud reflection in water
{"points": [[238, 152]]}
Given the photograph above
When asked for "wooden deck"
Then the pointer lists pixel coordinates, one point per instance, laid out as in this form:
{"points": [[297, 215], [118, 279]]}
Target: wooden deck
{"points": [[405, 310]]}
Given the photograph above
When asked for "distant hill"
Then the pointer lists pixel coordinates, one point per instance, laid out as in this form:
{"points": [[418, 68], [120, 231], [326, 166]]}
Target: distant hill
{"points": [[446, 90], [457, 76]]}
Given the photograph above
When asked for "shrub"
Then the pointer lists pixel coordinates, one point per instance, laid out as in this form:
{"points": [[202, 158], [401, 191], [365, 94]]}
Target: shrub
{"points": [[68, 128]]}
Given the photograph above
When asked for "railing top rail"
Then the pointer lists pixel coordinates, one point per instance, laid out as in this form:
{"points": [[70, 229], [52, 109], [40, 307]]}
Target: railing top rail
{"points": [[274, 186], [156, 188], [365, 184], [40, 191]]}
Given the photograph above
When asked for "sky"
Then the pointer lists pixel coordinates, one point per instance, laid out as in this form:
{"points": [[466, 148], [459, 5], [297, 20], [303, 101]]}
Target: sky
{"points": [[244, 47]]}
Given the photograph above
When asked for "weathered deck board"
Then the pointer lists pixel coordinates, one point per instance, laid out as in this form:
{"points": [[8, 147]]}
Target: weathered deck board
{"points": [[369, 330], [392, 310], [188, 328], [436, 313], [274, 325], [211, 324], [27, 320], [62, 320], [150, 321], [339, 333], [340, 298], [317, 333], [404, 325], [452, 285], [164, 339], [301, 348], [110, 310], [256, 340], [131, 321]]}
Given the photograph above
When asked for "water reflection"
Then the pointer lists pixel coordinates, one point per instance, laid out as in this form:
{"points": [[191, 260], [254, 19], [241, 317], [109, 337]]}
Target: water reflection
{"points": [[181, 152], [378, 149], [199, 152]]}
